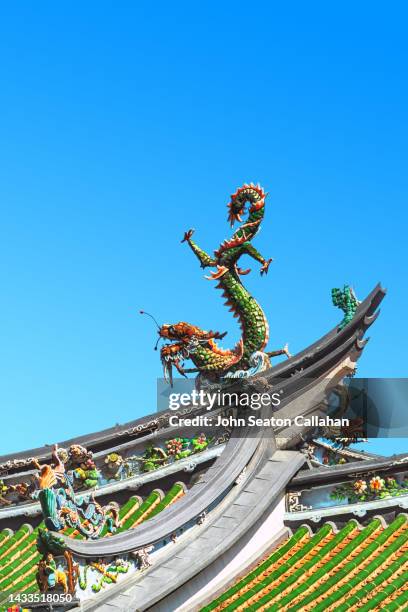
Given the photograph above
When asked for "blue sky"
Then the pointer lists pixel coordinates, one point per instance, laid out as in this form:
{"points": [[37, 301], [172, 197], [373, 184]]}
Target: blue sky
{"points": [[124, 125]]}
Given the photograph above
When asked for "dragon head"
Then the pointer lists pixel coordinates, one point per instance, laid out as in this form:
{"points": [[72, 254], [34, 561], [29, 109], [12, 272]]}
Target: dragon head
{"points": [[248, 193], [179, 331], [184, 340]]}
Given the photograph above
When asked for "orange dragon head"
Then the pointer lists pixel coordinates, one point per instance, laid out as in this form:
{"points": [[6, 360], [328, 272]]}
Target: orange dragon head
{"points": [[185, 339]]}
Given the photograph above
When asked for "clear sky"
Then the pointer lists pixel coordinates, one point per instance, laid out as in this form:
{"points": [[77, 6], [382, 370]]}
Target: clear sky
{"points": [[124, 124]]}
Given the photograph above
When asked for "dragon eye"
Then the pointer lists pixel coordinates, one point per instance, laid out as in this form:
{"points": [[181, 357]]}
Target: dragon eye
{"points": [[171, 329]]}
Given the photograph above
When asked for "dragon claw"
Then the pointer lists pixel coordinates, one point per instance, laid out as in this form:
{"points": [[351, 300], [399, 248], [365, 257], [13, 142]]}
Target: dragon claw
{"points": [[180, 368], [265, 266], [221, 270], [286, 351], [242, 272], [187, 235]]}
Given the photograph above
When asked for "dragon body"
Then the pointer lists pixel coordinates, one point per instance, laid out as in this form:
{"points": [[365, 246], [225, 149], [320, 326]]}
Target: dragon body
{"points": [[190, 342]]}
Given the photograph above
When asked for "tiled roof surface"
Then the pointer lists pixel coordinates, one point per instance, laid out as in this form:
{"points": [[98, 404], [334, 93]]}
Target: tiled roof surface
{"points": [[354, 569]]}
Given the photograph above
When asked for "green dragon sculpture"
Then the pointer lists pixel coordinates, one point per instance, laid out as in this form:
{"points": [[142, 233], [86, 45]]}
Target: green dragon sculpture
{"points": [[190, 342], [346, 300]]}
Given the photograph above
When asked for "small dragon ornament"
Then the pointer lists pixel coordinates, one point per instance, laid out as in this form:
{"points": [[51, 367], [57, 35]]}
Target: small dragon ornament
{"points": [[346, 300]]}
